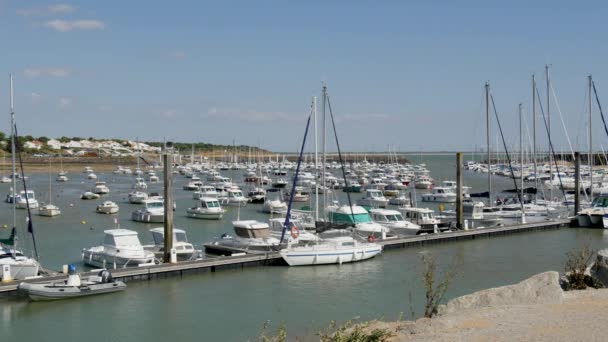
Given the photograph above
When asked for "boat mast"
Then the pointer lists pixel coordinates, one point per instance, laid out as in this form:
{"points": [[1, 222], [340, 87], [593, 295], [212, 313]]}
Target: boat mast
{"points": [[549, 133], [324, 149], [521, 155], [534, 136], [50, 194], [591, 158], [488, 143], [314, 113], [12, 109]]}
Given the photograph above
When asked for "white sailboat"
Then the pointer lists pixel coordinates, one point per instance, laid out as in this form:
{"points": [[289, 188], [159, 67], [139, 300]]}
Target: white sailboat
{"points": [[14, 264], [337, 248], [49, 209]]}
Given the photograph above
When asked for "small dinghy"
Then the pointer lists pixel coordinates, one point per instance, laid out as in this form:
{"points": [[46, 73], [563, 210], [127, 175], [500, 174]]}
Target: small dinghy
{"points": [[73, 286]]}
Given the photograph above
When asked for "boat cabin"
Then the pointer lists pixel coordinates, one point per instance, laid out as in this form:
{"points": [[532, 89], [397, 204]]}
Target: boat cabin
{"points": [[251, 229]]}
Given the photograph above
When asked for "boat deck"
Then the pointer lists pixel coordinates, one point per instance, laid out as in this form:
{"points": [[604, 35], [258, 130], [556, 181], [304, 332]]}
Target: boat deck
{"points": [[273, 258]]}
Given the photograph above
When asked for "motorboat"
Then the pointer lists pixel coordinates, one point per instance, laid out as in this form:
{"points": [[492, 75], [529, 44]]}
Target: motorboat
{"points": [[337, 250], [87, 169], [140, 184], [153, 211], [107, 207], [394, 220], [300, 195], [88, 195], [61, 177], [91, 176], [400, 200], [184, 250], [234, 197], [250, 236], [425, 218], [296, 233], [209, 209], [352, 186], [256, 195], [153, 178], [121, 248], [73, 287], [49, 210], [205, 191], [594, 215], [373, 198], [100, 188], [357, 217], [440, 194], [193, 185], [273, 203], [22, 202], [137, 197], [279, 183]]}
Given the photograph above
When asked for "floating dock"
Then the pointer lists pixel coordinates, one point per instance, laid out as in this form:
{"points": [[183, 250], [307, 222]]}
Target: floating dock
{"points": [[273, 258]]}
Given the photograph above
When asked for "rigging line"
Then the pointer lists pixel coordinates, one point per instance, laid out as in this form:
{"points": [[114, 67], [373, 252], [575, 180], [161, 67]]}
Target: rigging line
{"points": [[293, 185], [599, 105], [552, 151], [561, 118], [507, 155], [30, 225], [333, 123]]}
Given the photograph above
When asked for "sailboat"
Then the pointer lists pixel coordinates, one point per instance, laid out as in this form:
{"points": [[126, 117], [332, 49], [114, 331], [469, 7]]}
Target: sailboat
{"points": [[13, 263], [337, 247], [61, 176], [49, 209]]}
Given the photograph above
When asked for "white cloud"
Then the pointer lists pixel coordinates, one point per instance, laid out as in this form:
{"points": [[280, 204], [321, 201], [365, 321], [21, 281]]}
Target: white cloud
{"points": [[70, 25], [61, 8], [34, 72], [56, 9], [251, 115], [65, 102], [35, 97]]}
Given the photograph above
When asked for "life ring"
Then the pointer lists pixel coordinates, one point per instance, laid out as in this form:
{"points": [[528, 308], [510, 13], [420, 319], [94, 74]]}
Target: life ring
{"points": [[295, 232], [371, 238]]}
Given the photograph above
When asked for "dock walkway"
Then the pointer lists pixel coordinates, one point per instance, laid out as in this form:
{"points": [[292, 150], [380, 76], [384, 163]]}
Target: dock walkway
{"points": [[233, 262]]}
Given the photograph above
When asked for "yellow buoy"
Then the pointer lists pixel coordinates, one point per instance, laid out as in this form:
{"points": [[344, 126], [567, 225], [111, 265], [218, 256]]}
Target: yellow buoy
{"points": [[5, 225], [83, 222]]}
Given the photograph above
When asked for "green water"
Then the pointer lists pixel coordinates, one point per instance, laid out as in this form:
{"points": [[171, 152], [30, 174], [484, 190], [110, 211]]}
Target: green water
{"points": [[233, 305]]}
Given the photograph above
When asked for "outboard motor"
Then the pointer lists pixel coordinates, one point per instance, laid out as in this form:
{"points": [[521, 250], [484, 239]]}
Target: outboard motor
{"points": [[106, 276]]}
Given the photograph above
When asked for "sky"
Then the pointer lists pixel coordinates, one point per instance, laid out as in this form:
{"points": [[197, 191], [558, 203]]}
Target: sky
{"points": [[406, 74]]}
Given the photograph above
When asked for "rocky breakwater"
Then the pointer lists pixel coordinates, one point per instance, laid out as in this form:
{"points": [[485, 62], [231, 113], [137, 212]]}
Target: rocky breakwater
{"points": [[535, 309]]}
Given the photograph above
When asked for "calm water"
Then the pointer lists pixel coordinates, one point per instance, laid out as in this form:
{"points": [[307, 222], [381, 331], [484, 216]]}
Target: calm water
{"points": [[233, 305]]}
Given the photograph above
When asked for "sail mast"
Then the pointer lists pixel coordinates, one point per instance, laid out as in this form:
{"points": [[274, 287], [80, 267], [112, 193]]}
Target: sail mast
{"points": [[549, 132], [14, 172], [324, 150], [591, 158], [521, 156], [534, 137], [488, 143], [314, 112]]}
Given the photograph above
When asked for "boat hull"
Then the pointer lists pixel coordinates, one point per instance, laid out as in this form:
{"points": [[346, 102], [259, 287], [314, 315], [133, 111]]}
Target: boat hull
{"points": [[198, 214], [311, 256], [103, 260], [42, 292]]}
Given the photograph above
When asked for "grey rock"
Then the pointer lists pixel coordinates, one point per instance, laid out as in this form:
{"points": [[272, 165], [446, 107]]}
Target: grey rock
{"points": [[599, 270], [543, 288]]}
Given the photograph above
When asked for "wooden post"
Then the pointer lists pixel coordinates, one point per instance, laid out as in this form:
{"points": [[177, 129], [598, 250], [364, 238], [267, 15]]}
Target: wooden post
{"points": [[577, 182], [459, 181], [168, 176]]}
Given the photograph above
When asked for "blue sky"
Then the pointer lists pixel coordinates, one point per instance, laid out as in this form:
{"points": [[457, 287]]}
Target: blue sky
{"points": [[402, 73]]}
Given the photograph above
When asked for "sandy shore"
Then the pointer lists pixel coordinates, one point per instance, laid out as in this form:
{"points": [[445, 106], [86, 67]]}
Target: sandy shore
{"points": [[581, 316]]}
